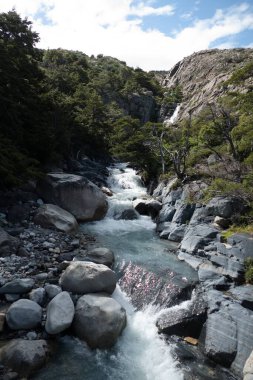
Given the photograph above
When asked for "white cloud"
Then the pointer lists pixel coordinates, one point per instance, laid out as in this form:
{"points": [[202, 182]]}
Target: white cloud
{"points": [[105, 26]]}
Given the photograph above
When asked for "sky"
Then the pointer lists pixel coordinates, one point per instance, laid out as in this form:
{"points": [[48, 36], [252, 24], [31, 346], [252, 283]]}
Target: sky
{"points": [[150, 34]]}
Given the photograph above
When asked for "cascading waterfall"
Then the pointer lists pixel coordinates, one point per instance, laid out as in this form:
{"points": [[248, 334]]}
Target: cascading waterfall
{"points": [[140, 353]]}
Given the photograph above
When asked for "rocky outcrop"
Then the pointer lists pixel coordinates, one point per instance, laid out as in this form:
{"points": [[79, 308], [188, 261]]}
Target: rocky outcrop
{"points": [[75, 194], [99, 320], [86, 277], [200, 76], [248, 368], [52, 216], [24, 356]]}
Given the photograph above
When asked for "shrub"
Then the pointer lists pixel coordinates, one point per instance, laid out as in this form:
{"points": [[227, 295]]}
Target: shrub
{"points": [[249, 270]]}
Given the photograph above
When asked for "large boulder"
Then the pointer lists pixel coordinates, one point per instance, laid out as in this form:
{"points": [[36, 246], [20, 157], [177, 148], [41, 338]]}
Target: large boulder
{"points": [[82, 277], [99, 320], [186, 320], [100, 256], [197, 237], [8, 244], [75, 194], [60, 313], [166, 213], [183, 213], [24, 356], [242, 245], [18, 286], [224, 207], [23, 315], [147, 207], [227, 335], [49, 216]]}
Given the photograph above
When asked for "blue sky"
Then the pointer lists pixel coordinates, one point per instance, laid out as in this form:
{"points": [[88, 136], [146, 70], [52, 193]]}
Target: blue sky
{"points": [[146, 33]]}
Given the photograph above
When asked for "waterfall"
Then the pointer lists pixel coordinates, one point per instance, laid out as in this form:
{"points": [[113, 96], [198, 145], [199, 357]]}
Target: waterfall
{"points": [[174, 116]]}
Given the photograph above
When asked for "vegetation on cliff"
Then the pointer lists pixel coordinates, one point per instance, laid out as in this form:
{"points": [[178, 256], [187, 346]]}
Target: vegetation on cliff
{"points": [[60, 103]]}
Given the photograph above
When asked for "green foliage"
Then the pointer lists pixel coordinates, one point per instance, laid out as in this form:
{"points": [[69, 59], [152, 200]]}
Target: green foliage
{"points": [[249, 270], [242, 74]]}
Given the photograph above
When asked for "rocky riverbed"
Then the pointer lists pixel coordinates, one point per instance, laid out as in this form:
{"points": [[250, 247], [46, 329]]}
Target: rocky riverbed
{"points": [[220, 315]]}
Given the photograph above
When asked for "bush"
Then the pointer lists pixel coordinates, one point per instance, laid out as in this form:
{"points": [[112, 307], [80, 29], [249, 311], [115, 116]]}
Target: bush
{"points": [[249, 270]]}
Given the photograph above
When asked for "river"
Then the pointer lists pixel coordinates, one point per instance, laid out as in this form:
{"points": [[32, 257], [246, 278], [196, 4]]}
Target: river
{"points": [[140, 353]]}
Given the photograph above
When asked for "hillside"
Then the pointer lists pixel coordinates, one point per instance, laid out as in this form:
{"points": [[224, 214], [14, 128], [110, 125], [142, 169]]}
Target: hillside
{"points": [[201, 77]]}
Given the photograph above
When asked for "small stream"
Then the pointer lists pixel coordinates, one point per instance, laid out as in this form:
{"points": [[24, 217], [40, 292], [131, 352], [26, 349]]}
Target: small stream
{"points": [[140, 353]]}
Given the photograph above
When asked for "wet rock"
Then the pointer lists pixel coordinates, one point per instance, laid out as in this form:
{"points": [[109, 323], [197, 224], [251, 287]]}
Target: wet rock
{"points": [[129, 214], [8, 244], [144, 287], [86, 277], [99, 320], [60, 313], [147, 207], [75, 194], [18, 286], [23, 315], [12, 297], [177, 233], [24, 356], [51, 216], [107, 191], [38, 295], [183, 213], [184, 320], [101, 256]]}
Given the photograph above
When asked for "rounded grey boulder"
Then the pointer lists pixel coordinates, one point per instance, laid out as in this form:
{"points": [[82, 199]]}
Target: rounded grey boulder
{"points": [[101, 256], [82, 277], [49, 216], [75, 194], [99, 320], [24, 356], [18, 286], [23, 314], [60, 313]]}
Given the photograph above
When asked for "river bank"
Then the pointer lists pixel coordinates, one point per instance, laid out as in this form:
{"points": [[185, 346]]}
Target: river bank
{"points": [[154, 280]]}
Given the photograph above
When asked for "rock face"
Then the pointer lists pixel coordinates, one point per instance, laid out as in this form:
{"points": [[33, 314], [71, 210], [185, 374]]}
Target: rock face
{"points": [[197, 237], [75, 194], [228, 332], [8, 244], [224, 207], [24, 356], [23, 315], [210, 68], [84, 277], [49, 216], [99, 320], [60, 313]]}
